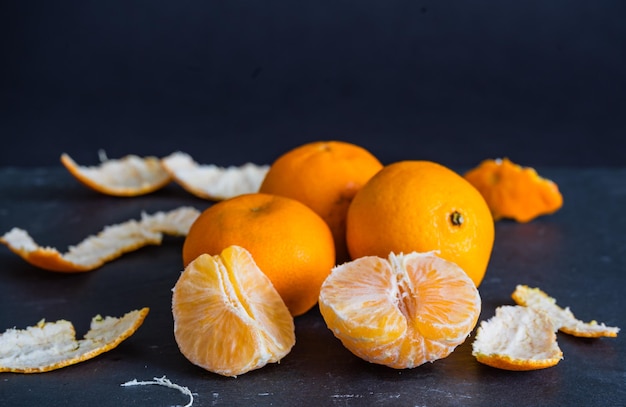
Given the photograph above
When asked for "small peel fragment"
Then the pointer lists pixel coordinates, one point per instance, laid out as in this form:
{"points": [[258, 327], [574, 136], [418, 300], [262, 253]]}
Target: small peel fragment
{"points": [[162, 381], [514, 192], [562, 318], [517, 338], [52, 345], [130, 175], [213, 182], [110, 243]]}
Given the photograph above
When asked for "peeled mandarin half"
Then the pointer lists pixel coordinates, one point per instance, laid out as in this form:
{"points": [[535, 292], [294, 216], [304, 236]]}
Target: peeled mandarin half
{"points": [[514, 192], [517, 338], [213, 182], [52, 345], [110, 243], [402, 311], [562, 318], [128, 176], [228, 317]]}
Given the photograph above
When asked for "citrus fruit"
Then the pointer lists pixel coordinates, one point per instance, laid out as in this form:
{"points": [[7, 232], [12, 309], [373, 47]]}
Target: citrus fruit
{"points": [[289, 242], [130, 175], [213, 182], [228, 317], [401, 311], [517, 338], [52, 345], [421, 206], [514, 192], [562, 318], [110, 243], [323, 175]]}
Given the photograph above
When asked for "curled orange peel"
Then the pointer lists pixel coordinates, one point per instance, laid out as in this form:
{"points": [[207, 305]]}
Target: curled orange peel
{"points": [[110, 243], [562, 318], [213, 182], [514, 192], [130, 175], [517, 338], [52, 345]]}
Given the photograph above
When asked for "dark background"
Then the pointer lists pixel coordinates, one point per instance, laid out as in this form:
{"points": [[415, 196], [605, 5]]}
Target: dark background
{"points": [[230, 81]]}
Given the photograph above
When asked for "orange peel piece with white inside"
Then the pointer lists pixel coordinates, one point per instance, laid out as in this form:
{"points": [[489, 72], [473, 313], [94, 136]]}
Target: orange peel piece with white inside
{"points": [[212, 182], [110, 243], [52, 345], [514, 192], [517, 338], [562, 318], [128, 176]]}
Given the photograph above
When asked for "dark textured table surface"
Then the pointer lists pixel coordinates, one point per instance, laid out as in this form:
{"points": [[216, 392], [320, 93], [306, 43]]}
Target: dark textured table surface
{"points": [[233, 81], [577, 255]]}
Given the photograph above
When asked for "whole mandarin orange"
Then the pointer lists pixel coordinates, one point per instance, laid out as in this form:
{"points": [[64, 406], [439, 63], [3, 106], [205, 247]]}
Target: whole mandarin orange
{"points": [[289, 242], [422, 206], [324, 175]]}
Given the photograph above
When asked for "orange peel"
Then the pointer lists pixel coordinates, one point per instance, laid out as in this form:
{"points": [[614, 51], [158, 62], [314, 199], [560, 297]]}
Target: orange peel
{"points": [[52, 345], [514, 192], [517, 338], [213, 182], [562, 318], [130, 175], [110, 243]]}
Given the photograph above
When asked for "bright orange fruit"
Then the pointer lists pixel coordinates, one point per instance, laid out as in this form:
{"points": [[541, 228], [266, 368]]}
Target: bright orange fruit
{"points": [[228, 317], [324, 175], [422, 206], [400, 311], [515, 192], [288, 241]]}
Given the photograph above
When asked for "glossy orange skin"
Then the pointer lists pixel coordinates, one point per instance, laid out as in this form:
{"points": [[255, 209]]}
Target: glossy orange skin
{"points": [[324, 175], [422, 206], [289, 242]]}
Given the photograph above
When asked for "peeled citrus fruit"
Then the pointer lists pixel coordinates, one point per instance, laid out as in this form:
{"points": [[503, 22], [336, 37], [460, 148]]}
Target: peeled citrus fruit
{"points": [[228, 317], [52, 345], [401, 311], [422, 206], [213, 182], [517, 338], [514, 192], [323, 175], [291, 244], [128, 176]]}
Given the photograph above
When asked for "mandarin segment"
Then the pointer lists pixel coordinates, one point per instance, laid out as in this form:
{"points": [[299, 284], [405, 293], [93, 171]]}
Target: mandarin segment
{"points": [[52, 345], [324, 175], [513, 191], [128, 176], [517, 338], [212, 182], [402, 311], [422, 206], [228, 317], [562, 318], [291, 243]]}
